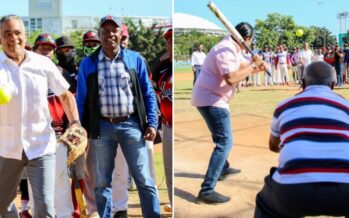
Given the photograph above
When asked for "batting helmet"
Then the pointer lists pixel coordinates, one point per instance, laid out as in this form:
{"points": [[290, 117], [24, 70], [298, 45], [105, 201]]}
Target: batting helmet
{"points": [[90, 36], [44, 39]]}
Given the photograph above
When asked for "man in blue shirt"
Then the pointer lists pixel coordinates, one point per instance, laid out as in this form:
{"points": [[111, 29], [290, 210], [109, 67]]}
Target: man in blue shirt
{"points": [[117, 105]]}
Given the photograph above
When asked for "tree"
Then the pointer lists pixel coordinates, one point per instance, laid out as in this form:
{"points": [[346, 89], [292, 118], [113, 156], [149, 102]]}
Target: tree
{"points": [[148, 41], [279, 29], [186, 43], [76, 36], [276, 29], [323, 37]]}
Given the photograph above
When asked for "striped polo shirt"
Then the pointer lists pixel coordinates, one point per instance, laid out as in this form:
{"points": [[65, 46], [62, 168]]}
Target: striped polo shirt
{"points": [[313, 127]]}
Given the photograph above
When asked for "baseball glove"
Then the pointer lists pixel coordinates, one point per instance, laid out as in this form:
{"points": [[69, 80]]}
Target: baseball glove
{"points": [[75, 138]]}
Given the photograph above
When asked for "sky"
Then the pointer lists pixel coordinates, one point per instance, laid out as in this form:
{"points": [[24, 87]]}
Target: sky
{"points": [[158, 8], [321, 13]]}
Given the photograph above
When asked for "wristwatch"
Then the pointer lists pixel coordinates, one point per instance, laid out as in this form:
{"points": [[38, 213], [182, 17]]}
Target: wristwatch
{"points": [[75, 122]]}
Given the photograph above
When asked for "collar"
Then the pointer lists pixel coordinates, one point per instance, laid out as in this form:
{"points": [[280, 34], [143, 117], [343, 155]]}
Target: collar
{"points": [[102, 56], [317, 87], [4, 57]]}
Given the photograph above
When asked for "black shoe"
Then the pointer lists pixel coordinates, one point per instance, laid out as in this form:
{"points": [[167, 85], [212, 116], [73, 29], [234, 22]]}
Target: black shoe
{"points": [[228, 172], [212, 198], [120, 214]]}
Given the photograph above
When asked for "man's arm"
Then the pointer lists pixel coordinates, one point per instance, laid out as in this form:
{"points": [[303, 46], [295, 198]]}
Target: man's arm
{"points": [[274, 143], [192, 61], [149, 98], [69, 106], [244, 70]]}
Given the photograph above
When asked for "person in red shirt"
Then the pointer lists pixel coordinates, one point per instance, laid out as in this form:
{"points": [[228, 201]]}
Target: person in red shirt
{"points": [[46, 45], [162, 81]]}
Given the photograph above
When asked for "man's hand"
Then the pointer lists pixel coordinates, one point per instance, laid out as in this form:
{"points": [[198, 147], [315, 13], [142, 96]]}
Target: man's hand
{"points": [[150, 134], [259, 69], [258, 61], [274, 144]]}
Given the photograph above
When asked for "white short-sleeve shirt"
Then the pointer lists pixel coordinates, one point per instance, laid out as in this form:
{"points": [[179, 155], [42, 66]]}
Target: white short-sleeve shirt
{"points": [[25, 122]]}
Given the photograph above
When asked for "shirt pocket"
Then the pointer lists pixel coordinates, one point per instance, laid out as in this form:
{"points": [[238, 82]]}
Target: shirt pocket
{"points": [[38, 88], [125, 81], [7, 139]]}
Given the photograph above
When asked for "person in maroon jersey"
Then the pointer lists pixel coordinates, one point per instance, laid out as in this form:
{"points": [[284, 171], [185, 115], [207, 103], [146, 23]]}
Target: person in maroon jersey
{"points": [[90, 42], [162, 77], [46, 45], [66, 55]]}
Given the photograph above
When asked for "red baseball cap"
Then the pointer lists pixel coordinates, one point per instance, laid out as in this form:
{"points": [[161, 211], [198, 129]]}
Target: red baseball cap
{"points": [[124, 30], [168, 34], [90, 36]]}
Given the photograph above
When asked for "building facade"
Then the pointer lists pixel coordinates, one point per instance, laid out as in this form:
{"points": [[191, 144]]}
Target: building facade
{"points": [[47, 16]]}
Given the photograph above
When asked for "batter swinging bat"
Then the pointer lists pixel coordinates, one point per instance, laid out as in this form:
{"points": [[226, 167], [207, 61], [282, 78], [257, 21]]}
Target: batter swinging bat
{"points": [[231, 29]]}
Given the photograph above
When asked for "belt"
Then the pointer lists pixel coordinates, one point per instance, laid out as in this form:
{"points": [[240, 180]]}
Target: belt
{"points": [[115, 120]]}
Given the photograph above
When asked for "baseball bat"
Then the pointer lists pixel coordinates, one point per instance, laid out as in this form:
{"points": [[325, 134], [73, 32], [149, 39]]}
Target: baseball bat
{"points": [[231, 29], [79, 195]]}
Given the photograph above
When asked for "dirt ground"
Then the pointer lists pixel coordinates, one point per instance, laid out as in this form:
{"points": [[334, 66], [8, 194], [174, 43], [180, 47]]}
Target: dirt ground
{"points": [[249, 153], [192, 148]]}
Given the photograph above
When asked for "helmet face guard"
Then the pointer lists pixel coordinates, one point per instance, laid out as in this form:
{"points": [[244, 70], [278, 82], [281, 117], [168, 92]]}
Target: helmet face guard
{"points": [[89, 50]]}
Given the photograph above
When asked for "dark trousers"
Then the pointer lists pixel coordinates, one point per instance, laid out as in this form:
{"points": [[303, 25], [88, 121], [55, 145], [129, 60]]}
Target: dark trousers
{"points": [[197, 71], [339, 72], [277, 200]]}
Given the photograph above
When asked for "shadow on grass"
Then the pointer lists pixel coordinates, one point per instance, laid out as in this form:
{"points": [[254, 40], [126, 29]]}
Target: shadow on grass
{"points": [[185, 195], [182, 93], [190, 175], [182, 98], [263, 90]]}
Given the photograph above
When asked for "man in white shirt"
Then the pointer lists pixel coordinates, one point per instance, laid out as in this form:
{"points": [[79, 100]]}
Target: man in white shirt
{"points": [[306, 55], [26, 137], [197, 58], [282, 62]]}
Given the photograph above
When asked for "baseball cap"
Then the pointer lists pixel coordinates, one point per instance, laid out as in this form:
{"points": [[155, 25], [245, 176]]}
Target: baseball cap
{"points": [[124, 30], [44, 39], [90, 36], [64, 41], [110, 18], [168, 34]]}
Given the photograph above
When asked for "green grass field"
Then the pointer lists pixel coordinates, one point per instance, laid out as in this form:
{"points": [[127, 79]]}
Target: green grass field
{"points": [[255, 100]]}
